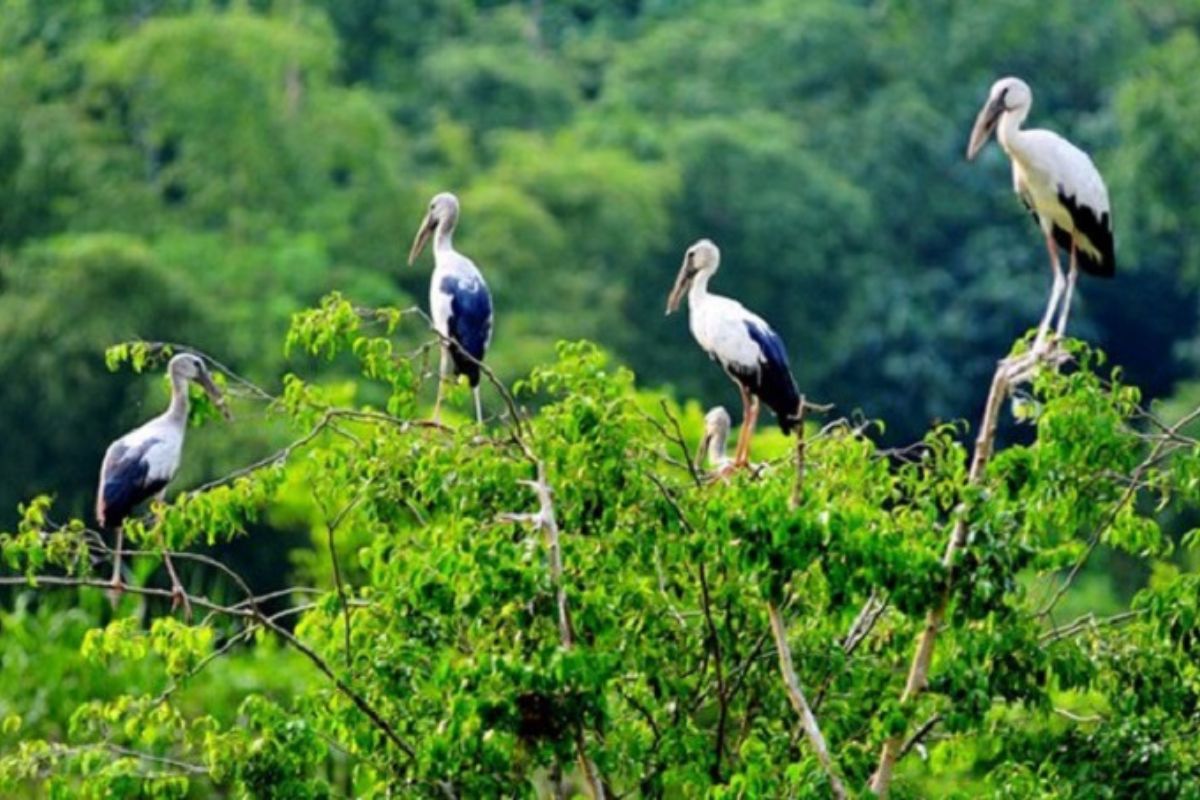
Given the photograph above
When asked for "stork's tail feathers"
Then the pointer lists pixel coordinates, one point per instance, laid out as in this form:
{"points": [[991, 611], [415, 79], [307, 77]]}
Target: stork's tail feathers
{"points": [[1097, 229], [1106, 265], [788, 416]]}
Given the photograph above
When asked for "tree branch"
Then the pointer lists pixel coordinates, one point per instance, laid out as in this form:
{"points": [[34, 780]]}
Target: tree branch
{"points": [[779, 629], [546, 521], [722, 696], [1126, 497], [807, 721], [919, 670]]}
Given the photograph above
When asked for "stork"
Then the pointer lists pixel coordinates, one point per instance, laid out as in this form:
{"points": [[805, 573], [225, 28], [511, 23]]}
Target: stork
{"points": [[712, 445], [750, 352], [1059, 185], [459, 301], [139, 465]]}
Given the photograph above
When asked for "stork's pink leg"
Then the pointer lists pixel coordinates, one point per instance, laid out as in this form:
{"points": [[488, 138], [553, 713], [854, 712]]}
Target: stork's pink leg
{"points": [[116, 575], [743, 441], [748, 426], [118, 586], [1055, 293], [1072, 274]]}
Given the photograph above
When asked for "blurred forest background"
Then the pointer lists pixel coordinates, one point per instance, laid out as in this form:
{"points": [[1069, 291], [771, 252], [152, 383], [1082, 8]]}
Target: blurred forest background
{"points": [[196, 171]]}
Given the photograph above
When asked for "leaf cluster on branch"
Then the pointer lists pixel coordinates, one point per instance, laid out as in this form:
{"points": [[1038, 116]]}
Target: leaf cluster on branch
{"points": [[630, 628]]}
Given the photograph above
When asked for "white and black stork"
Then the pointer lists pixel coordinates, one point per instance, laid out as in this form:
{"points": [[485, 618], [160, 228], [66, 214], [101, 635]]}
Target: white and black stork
{"points": [[459, 300], [717, 425], [745, 346], [139, 465], [1059, 185]]}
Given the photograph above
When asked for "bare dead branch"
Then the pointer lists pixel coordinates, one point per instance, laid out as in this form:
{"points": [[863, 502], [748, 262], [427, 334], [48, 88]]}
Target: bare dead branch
{"points": [[796, 695], [1006, 373], [546, 521]]}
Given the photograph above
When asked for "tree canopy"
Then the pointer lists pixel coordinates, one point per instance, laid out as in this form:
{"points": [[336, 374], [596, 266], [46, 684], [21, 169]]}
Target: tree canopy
{"points": [[556, 602]]}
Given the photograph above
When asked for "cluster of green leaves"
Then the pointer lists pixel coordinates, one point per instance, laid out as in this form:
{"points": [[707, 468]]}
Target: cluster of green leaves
{"points": [[440, 659]]}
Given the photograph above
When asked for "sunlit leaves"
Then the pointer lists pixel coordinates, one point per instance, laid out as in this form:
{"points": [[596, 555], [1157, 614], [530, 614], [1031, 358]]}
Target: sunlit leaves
{"points": [[453, 630]]}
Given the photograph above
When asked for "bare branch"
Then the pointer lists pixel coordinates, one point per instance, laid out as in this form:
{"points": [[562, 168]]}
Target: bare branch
{"points": [[1088, 622], [1006, 373], [796, 695], [718, 668], [919, 735], [546, 521]]}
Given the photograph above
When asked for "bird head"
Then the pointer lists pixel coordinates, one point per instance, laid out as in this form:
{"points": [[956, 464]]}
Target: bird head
{"points": [[717, 425], [703, 257], [190, 367], [443, 210], [1007, 94]]}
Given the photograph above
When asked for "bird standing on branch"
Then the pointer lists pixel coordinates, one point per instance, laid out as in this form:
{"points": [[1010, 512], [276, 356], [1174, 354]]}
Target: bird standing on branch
{"points": [[459, 301], [750, 352], [1059, 185], [139, 465]]}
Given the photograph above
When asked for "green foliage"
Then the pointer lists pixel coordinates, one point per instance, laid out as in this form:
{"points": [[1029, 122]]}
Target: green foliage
{"points": [[445, 661], [206, 171]]}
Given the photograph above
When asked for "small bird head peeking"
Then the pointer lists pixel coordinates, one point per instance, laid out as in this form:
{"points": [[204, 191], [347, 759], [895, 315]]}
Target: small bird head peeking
{"points": [[1011, 95], [189, 367], [443, 213], [717, 424], [700, 260]]}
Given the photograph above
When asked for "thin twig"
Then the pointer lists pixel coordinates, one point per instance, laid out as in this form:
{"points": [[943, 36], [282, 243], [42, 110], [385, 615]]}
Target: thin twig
{"points": [[332, 528], [718, 668], [919, 734], [1126, 497]]}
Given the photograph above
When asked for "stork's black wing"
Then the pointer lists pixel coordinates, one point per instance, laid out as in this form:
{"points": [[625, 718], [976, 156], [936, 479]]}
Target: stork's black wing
{"points": [[773, 382], [124, 483], [470, 324]]}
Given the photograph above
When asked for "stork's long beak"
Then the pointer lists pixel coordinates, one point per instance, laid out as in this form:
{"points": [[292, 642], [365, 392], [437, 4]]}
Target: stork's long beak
{"points": [[210, 388], [423, 233], [702, 449], [682, 281], [985, 123]]}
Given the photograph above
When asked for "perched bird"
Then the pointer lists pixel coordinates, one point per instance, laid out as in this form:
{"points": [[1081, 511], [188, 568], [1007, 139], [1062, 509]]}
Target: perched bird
{"points": [[752, 354], [459, 301], [712, 445], [1059, 185], [139, 465]]}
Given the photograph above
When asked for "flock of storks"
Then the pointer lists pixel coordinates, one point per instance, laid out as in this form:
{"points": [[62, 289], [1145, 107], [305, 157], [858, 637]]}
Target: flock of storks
{"points": [[1056, 181]]}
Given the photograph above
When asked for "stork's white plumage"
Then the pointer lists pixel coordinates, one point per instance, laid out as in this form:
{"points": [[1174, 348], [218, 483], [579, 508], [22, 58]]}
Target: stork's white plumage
{"points": [[139, 465], [1059, 185], [745, 346], [717, 425], [459, 301]]}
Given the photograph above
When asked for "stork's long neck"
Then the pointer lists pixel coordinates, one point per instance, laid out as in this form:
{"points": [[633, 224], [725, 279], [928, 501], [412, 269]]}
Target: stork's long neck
{"points": [[716, 447], [177, 412], [1007, 132], [443, 237], [698, 292]]}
